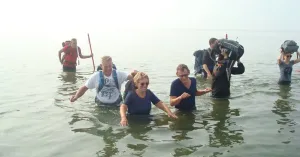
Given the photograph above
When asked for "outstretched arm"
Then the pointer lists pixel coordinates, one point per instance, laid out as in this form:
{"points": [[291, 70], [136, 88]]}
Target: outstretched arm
{"points": [[83, 56], [163, 107], [123, 109], [201, 92], [79, 93]]}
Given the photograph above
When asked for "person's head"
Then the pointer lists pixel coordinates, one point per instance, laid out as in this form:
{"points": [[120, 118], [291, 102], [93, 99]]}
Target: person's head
{"points": [[287, 56], [224, 52], [67, 43], [212, 42], [74, 43], [183, 72], [106, 65], [141, 81]]}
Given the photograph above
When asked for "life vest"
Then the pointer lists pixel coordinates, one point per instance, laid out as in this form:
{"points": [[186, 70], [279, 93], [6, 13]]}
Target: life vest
{"points": [[70, 56]]}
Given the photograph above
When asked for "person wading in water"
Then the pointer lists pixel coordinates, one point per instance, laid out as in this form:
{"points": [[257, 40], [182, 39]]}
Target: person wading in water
{"points": [[70, 57]]}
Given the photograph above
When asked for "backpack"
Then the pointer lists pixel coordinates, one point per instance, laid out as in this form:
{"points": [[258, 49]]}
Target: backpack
{"points": [[73, 59], [199, 56], [101, 80], [129, 86], [236, 50], [199, 60], [289, 46]]}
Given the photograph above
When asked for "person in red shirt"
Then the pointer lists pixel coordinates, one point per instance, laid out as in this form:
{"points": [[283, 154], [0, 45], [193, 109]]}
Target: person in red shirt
{"points": [[66, 43], [72, 52]]}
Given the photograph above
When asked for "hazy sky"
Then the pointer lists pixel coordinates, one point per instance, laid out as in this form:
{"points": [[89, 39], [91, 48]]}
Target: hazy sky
{"points": [[65, 16]]}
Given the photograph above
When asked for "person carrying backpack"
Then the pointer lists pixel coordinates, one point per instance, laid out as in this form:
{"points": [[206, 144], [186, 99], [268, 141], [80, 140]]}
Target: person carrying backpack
{"points": [[285, 63], [229, 52], [107, 82], [72, 52]]}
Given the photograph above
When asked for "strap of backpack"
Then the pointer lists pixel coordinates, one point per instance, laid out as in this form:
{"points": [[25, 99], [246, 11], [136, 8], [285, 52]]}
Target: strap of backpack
{"points": [[115, 78], [209, 51], [101, 81]]}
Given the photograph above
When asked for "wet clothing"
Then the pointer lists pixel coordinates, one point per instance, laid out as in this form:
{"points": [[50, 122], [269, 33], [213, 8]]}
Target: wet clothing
{"points": [[178, 88], [208, 59], [70, 56], [140, 106], [69, 69], [285, 72], [108, 92], [221, 78]]}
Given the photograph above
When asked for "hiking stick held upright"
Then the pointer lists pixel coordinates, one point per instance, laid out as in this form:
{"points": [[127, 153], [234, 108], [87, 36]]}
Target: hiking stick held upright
{"points": [[91, 51]]}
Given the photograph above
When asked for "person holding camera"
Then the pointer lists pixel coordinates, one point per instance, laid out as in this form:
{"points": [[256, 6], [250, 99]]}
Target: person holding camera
{"points": [[224, 68]]}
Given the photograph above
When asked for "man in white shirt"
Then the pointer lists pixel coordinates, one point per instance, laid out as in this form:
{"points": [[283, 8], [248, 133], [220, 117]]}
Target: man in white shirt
{"points": [[108, 83]]}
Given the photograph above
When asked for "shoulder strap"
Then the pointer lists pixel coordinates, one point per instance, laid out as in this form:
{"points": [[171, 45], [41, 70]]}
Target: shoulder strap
{"points": [[101, 81], [209, 51], [115, 78]]}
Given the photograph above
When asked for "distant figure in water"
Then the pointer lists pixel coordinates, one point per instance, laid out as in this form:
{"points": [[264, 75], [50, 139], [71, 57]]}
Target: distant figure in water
{"points": [[286, 67], [71, 54]]}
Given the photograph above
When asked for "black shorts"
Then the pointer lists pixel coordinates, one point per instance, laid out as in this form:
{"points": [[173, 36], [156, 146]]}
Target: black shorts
{"points": [[69, 69]]}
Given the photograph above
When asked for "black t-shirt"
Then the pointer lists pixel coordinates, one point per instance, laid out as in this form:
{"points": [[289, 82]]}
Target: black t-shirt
{"points": [[221, 83], [209, 59]]}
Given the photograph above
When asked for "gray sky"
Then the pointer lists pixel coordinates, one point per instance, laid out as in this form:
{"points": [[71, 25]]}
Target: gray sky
{"points": [[67, 16]]}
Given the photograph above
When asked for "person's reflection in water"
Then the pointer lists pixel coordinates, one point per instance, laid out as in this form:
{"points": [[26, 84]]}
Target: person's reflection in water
{"points": [[283, 107], [105, 122], [224, 133], [66, 89], [140, 125], [183, 125]]}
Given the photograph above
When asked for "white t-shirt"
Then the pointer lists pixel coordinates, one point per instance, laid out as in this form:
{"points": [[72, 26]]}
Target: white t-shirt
{"points": [[109, 93]]}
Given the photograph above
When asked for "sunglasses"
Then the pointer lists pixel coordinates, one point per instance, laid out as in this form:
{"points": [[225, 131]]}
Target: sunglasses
{"points": [[143, 83], [184, 75], [289, 56]]}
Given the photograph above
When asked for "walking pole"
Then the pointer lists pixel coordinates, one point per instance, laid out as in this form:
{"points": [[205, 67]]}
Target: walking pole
{"points": [[91, 51]]}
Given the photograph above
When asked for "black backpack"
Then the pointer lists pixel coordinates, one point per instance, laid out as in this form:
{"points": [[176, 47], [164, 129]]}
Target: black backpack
{"points": [[236, 50], [289, 46]]}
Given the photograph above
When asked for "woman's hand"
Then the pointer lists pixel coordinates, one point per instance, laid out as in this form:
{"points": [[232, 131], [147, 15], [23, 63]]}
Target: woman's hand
{"points": [[124, 122], [172, 115]]}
